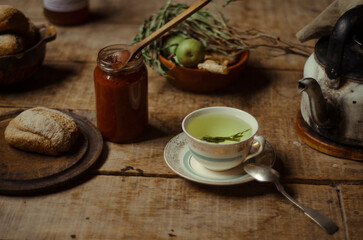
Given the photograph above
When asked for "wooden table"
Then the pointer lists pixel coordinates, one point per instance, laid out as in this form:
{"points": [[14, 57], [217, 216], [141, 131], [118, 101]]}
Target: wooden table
{"points": [[131, 193]]}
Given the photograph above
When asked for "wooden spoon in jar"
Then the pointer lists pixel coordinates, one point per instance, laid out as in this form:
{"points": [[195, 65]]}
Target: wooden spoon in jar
{"points": [[124, 56]]}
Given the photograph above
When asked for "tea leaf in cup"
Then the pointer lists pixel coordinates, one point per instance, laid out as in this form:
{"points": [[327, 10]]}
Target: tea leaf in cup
{"points": [[236, 137]]}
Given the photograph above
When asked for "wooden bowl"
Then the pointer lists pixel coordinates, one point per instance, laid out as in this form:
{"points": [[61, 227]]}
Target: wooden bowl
{"points": [[200, 80], [19, 67]]}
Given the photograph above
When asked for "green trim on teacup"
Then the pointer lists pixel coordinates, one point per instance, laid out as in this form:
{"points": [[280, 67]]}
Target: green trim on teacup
{"points": [[215, 159]]}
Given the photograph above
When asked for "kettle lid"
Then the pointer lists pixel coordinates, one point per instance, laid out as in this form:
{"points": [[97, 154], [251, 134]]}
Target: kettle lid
{"points": [[341, 53]]}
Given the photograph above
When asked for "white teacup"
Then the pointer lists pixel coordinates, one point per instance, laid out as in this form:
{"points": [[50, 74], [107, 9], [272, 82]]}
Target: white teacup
{"points": [[225, 122]]}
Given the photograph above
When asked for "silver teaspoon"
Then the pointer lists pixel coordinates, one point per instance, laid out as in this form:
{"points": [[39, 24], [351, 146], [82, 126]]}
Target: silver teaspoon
{"points": [[264, 173]]}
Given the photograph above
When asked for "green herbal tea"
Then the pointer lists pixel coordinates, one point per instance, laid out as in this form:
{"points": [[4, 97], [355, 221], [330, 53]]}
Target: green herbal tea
{"points": [[219, 128]]}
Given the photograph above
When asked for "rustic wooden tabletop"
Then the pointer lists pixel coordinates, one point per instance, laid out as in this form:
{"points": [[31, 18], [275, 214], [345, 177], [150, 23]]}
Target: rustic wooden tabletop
{"points": [[131, 193]]}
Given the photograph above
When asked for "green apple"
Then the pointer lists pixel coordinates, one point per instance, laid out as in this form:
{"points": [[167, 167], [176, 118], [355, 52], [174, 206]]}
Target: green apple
{"points": [[171, 44], [190, 52]]}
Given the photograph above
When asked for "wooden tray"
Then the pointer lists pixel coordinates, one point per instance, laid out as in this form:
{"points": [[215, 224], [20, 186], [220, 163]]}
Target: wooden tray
{"points": [[23, 172]]}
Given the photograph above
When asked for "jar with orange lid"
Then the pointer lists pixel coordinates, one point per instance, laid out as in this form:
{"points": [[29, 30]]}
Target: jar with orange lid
{"points": [[121, 96], [66, 12]]}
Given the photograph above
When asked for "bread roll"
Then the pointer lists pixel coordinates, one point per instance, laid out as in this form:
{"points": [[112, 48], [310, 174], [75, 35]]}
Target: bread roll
{"points": [[12, 20], [14, 23], [42, 130], [10, 44]]}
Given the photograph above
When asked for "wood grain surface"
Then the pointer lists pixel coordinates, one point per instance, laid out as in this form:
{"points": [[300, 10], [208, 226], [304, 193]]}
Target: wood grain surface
{"points": [[131, 193], [352, 201], [159, 208]]}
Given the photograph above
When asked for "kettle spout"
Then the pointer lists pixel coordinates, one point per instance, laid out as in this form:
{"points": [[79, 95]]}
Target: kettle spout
{"points": [[318, 105]]}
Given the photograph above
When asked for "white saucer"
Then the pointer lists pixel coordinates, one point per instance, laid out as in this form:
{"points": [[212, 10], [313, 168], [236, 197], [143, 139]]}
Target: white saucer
{"points": [[178, 157]]}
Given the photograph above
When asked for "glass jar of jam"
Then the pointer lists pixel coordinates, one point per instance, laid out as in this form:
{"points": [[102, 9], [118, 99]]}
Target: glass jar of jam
{"points": [[66, 12], [121, 95]]}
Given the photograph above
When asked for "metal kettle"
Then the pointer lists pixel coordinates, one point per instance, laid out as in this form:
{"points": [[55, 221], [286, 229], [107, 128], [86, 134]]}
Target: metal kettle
{"points": [[332, 87]]}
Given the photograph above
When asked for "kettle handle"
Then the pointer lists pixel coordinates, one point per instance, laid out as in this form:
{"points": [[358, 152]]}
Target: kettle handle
{"points": [[341, 30]]}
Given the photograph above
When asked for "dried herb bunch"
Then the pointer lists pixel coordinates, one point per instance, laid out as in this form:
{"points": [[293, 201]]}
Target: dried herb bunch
{"points": [[214, 33], [210, 29]]}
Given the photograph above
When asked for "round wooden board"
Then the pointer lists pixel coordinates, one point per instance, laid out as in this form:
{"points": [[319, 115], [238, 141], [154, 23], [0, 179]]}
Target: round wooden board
{"points": [[23, 172], [322, 144]]}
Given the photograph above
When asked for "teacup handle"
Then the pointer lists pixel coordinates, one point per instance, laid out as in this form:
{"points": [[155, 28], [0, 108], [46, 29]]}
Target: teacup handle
{"points": [[258, 142]]}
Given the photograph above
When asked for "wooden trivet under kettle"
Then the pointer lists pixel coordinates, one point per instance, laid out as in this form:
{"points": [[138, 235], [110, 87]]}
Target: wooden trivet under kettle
{"points": [[324, 145]]}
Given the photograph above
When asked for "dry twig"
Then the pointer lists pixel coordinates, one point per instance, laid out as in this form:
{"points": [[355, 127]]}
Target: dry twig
{"points": [[254, 38]]}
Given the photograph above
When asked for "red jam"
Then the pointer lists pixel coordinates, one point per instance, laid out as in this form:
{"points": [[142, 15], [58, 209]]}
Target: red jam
{"points": [[121, 96]]}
